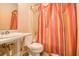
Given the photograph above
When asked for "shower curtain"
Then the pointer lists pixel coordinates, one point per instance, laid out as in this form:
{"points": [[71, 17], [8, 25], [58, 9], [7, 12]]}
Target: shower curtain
{"points": [[13, 24], [57, 28]]}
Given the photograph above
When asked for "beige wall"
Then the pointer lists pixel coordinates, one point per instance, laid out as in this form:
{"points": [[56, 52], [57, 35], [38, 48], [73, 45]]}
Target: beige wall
{"points": [[5, 14], [27, 21], [23, 18]]}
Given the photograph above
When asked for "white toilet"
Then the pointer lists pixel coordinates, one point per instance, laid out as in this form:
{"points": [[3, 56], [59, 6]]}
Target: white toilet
{"points": [[35, 48]]}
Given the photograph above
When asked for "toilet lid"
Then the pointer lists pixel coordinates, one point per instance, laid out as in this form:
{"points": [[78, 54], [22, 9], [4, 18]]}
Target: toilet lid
{"points": [[36, 45]]}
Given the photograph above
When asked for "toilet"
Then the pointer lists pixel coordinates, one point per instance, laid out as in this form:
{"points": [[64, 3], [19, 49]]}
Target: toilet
{"points": [[35, 48]]}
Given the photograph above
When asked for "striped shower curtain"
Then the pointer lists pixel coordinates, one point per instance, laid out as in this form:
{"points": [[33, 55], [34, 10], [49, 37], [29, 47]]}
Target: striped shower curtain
{"points": [[57, 28], [13, 24]]}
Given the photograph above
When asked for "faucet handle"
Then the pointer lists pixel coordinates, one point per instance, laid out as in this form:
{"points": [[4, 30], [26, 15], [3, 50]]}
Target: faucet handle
{"points": [[7, 32]]}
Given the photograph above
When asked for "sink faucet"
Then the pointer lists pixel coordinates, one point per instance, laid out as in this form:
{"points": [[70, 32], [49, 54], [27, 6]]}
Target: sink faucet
{"points": [[6, 32]]}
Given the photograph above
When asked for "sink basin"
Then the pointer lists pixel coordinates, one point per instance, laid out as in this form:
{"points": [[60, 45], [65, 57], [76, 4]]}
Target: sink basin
{"points": [[11, 37]]}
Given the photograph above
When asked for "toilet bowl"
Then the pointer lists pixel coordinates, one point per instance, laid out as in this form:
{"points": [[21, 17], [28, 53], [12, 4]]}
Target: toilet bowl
{"points": [[35, 48]]}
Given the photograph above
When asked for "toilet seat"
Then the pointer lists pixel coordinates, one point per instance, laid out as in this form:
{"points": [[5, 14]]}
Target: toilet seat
{"points": [[36, 45]]}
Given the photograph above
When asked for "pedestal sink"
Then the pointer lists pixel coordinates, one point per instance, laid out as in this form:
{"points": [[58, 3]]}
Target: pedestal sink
{"points": [[9, 38]]}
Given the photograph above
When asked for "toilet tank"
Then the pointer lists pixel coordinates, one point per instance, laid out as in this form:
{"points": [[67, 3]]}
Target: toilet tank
{"points": [[28, 40]]}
